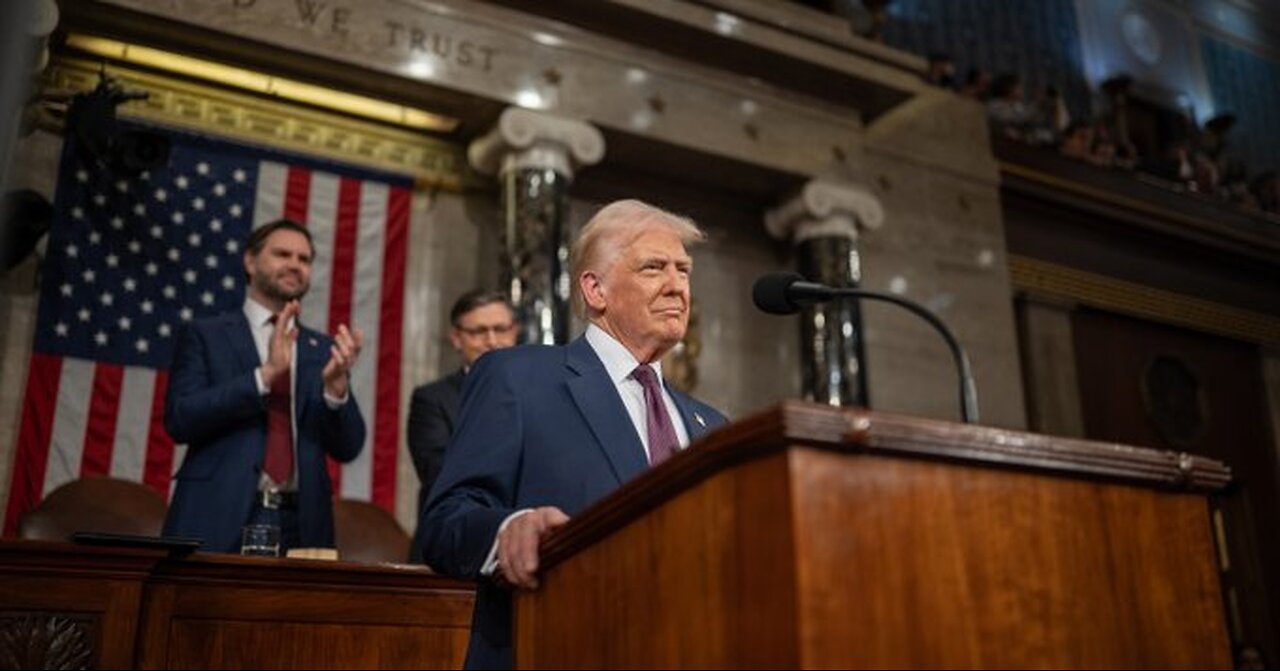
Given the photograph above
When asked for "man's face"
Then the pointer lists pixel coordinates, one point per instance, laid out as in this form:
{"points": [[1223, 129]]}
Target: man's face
{"points": [[644, 297], [280, 272], [485, 328]]}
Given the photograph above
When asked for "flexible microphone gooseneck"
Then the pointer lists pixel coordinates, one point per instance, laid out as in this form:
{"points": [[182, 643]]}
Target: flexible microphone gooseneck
{"points": [[784, 293]]}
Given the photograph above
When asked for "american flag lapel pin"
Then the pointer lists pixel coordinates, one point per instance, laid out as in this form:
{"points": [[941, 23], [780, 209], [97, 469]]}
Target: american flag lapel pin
{"points": [[698, 418]]}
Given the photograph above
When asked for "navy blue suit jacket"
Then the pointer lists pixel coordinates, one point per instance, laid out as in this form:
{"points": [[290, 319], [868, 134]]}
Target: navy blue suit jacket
{"points": [[540, 426], [433, 413], [213, 405]]}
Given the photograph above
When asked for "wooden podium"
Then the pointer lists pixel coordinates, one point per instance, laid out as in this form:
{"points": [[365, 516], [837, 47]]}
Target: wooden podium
{"points": [[816, 537]]}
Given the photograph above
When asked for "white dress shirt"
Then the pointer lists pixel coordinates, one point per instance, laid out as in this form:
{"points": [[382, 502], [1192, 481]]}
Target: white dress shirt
{"points": [[620, 364]]}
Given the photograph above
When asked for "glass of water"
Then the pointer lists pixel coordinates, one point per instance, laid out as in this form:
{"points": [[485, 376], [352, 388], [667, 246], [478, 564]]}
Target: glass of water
{"points": [[260, 540]]}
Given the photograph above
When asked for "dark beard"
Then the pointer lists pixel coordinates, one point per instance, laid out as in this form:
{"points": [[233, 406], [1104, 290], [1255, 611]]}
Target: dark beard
{"points": [[273, 291]]}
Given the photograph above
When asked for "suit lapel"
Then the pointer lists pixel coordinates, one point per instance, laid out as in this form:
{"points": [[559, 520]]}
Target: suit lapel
{"points": [[241, 339], [597, 399], [695, 424]]}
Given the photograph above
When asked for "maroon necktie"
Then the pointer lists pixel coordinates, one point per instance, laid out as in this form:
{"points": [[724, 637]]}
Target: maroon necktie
{"points": [[663, 441], [279, 458]]}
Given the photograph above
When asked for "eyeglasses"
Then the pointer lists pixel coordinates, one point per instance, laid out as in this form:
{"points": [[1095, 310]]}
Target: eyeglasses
{"points": [[478, 331]]}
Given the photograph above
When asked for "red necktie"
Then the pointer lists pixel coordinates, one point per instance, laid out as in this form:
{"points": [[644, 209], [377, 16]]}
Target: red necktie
{"points": [[663, 441], [279, 458]]}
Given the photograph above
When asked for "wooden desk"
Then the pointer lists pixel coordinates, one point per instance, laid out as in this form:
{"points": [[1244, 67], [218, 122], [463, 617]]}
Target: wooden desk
{"points": [[126, 608]]}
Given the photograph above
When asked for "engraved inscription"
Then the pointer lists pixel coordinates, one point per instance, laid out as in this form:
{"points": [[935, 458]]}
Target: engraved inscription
{"points": [[447, 48]]}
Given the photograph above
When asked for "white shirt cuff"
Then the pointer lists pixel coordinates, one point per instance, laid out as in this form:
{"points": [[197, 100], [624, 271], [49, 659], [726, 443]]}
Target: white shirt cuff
{"points": [[262, 386], [491, 561], [335, 403]]}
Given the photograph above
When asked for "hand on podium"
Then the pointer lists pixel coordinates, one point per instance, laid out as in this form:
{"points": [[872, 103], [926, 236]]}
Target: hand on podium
{"points": [[518, 545]]}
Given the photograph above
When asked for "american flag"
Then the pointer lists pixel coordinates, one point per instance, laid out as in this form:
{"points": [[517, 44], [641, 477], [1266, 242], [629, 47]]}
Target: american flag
{"points": [[132, 257]]}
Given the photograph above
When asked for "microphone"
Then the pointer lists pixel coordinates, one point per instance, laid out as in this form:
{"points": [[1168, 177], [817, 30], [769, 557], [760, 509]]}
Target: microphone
{"points": [[784, 293]]}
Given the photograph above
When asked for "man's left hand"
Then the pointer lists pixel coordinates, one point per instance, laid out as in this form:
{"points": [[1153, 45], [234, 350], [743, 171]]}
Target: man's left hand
{"points": [[342, 357]]}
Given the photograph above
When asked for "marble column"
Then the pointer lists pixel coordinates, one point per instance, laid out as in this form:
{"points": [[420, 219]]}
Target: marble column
{"points": [[823, 222], [534, 156]]}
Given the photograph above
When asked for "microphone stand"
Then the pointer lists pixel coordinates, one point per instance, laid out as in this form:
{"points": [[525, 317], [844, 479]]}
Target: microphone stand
{"points": [[811, 292]]}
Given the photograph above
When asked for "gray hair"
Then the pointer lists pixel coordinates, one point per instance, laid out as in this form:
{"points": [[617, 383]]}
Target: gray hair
{"points": [[615, 226]]}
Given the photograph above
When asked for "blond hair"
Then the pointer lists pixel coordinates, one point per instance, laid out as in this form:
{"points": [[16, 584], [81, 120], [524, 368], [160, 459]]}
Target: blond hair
{"points": [[616, 225]]}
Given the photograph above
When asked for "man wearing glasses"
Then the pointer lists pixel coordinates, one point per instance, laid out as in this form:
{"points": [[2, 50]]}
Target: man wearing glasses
{"points": [[482, 321]]}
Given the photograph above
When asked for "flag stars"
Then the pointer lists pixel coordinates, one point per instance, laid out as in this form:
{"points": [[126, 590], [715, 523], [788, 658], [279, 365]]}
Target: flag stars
{"points": [[211, 261], [117, 223], [112, 260], [169, 291], [100, 338], [239, 175], [206, 298], [124, 323], [161, 195], [178, 218], [235, 210], [84, 315], [99, 199], [145, 176], [140, 210], [193, 239], [181, 181], [135, 247], [130, 284], [94, 237], [228, 282], [202, 168], [164, 330], [197, 204], [189, 276], [151, 269], [157, 232], [219, 189], [61, 329], [77, 213], [82, 176], [147, 307], [174, 255], [66, 289], [72, 251], [142, 346], [215, 225], [88, 276], [122, 186], [107, 299], [233, 246], [185, 314]]}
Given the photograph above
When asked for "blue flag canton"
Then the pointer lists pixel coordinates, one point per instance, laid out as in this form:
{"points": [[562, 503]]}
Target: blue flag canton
{"points": [[132, 258]]}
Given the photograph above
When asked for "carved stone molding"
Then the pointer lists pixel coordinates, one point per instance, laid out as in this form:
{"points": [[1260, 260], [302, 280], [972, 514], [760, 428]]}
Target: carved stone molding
{"points": [[208, 109], [46, 641], [1044, 280]]}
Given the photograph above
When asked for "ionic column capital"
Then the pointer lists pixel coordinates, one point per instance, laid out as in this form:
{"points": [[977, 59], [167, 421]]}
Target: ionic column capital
{"points": [[825, 208], [527, 139]]}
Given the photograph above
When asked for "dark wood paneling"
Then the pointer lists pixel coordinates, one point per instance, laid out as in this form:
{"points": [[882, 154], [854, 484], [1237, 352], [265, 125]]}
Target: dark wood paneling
{"points": [[146, 610], [1112, 353]]}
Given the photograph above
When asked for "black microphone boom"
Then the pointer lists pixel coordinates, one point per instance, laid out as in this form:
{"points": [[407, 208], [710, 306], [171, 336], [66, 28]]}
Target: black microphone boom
{"points": [[784, 293]]}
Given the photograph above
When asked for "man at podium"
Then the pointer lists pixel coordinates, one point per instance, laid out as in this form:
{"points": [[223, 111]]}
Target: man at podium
{"points": [[546, 431]]}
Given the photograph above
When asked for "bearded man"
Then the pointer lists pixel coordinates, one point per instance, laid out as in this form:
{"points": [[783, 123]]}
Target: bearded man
{"points": [[260, 399]]}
